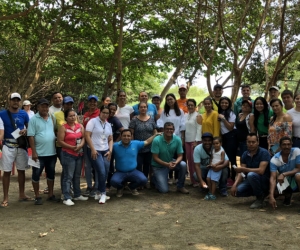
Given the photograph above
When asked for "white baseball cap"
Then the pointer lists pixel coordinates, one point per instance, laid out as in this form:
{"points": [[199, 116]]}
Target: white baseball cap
{"points": [[27, 102], [15, 95]]}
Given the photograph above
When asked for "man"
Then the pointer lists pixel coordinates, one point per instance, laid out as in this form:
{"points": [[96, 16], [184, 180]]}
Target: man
{"points": [[202, 156], [57, 100], [287, 164], [42, 142], [167, 155], [156, 100], [255, 165], [287, 98], [182, 91], [246, 91], [217, 94], [125, 153], [273, 93], [152, 111], [11, 152]]}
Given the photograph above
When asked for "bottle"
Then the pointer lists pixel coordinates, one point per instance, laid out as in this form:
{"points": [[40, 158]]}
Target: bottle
{"points": [[242, 174], [78, 141]]}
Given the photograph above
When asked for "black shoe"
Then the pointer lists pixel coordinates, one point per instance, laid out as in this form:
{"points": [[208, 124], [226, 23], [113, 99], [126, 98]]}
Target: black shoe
{"points": [[53, 199], [38, 201], [287, 200]]}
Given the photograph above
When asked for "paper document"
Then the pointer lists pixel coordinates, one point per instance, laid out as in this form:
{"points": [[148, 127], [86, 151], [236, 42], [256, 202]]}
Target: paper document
{"points": [[35, 164], [283, 186], [16, 133]]}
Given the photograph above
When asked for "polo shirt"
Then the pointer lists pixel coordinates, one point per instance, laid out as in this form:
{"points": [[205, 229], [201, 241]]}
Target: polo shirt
{"points": [[125, 156], [277, 163], [254, 161], [43, 133], [152, 111], [166, 151], [202, 157]]}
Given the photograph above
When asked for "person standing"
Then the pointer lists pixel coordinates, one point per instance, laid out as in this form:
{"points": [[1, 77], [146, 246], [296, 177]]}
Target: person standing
{"points": [[217, 94], [210, 123], [182, 91], [288, 100], [57, 100], [124, 112], [156, 100], [295, 114], [26, 106], [152, 111], [42, 142], [273, 92], [246, 92], [11, 151]]}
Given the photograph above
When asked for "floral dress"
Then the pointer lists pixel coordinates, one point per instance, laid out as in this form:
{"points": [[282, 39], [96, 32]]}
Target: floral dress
{"points": [[278, 130]]}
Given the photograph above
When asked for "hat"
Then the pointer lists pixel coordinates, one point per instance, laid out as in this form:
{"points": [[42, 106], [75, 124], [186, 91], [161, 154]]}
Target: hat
{"points": [[274, 87], [68, 99], [205, 135], [182, 86], [156, 96], [43, 101], [247, 101], [93, 97], [15, 95], [218, 86], [26, 102]]}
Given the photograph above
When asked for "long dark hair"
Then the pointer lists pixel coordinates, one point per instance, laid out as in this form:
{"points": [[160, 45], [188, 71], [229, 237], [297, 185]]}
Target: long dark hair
{"points": [[226, 112], [167, 107], [265, 112], [274, 115]]}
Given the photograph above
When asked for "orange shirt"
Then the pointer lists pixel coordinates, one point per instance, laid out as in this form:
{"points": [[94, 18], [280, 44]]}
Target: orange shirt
{"points": [[182, 105]]}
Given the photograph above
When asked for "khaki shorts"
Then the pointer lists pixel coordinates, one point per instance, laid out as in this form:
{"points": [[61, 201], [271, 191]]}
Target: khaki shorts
{"points": [[11, 155]]}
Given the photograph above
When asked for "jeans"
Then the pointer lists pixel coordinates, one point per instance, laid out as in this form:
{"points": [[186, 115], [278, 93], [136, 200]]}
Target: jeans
{"points": [[254, 184], [47, 162], [101, 166], [160, 177], [72, 168], [59, 156], [135, 177], [88, 170], [144, 162]]}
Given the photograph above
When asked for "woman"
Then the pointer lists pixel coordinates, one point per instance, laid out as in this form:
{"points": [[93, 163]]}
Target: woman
{"points": [[124, 112], [98, 136], [280, 125], [105, 100], [26, 106], [142, 127], [242, 125], [210, 123], [228, 131], [193, 127], [259, 122], [295, 114], [70, 137]]}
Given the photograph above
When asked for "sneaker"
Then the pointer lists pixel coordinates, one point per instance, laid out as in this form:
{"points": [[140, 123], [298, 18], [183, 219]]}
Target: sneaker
{"points": [[212, 197], [258, 203], [207, 197], [92, 193], [120, 192], [287, 200], [97, 196], [103, 199], [183, 190], [68, 202], [134, 192], [170, 182], [87, 192], [38, 201], [81, 198], [223, 192]]}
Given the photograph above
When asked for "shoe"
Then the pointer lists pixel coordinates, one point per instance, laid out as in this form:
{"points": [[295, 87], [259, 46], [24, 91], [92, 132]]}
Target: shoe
{"points": [[207, 197], [38, 201], [97, 196], [258, 203], [223, 192], [183, 190], [52, 198], [134, 192], [68, 202], [87, 192], [212, 197], [62, 197], [81, 198], [120, 192], [170, 182], [287, 200], [92, 193], [103, 199]]}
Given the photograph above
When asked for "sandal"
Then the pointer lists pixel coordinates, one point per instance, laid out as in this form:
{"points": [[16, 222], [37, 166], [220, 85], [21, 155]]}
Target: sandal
{"points": [[26, 199], [46, 191], [4, 204]]}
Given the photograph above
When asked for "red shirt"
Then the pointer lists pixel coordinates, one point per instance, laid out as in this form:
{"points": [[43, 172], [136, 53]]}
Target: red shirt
{"points": [[88, 116], [70, 137]]}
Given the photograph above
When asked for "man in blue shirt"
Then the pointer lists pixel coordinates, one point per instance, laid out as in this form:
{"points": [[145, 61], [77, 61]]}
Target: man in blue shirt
{"points": [[152, 111], [287, 164], [255, 165], [125, 154], [11, 151]]}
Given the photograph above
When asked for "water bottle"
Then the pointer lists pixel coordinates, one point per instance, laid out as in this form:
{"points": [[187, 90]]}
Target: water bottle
{"points": [[78, 141], [242, 174]]}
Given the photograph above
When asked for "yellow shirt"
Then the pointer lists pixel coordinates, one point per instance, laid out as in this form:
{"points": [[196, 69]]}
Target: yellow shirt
{"points": [[211, 124]]}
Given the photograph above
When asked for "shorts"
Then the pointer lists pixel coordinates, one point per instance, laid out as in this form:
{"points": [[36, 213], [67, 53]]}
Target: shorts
{"points": [[47, 162], [214, 176], [11, 155]]}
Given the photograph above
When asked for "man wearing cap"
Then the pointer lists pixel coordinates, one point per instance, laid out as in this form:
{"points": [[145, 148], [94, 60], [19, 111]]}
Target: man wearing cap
{"points": [[57, 100], [246, 91], [156, 100], [11, 152], [217, 94], [42, 142], [273, 93], [182, 91], [202, 156], [152, 111]]}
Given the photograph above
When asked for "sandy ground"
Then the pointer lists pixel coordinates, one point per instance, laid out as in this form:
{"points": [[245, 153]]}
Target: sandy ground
{"points": [[148, 221]]}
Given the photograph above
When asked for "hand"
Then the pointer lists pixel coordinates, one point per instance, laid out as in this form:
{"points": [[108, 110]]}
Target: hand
{"points": [[108, 155], [172, 165], [35, 156], [215, 168], [220, 116], [23, 131], [233, 190], [208, 166], [75, 148], [238, 170], [194, 144], [280, 178], [272, 202], [94, 154]]}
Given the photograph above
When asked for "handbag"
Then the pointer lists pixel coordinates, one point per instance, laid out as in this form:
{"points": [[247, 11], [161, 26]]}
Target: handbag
{"points": [[22, 140]]}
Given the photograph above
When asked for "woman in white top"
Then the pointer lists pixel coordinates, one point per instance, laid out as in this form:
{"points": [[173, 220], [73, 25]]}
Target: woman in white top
{"points": [[124, 112], [26, 106], [99, 139], [295, 114], [193, 127]]}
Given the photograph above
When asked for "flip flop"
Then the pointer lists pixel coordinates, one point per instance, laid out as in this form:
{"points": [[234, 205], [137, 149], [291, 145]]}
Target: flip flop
{"points": [[26, 199], [4, 204], [46, 191]]}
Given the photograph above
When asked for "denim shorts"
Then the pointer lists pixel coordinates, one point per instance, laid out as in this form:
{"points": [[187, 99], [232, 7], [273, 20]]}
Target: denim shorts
{"points": [[47, 162]]}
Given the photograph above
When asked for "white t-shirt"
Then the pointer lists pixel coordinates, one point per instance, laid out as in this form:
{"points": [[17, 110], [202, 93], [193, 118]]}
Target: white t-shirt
{"points": [[231, 118], [100, 133], [178, 121], [192, 128], [296, 121], [217, 156], [123, 114], [30, 114], [52, 110]]}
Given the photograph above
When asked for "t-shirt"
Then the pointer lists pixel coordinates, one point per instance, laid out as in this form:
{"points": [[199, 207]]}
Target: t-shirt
{"points": [[192, 128], [99, 133], [53, 109], [125, 156], [123, 114], [182, 105], [115, 126], [166, 151], [151, 110], [71, 136], [277, 163], [211, 124], [43, 133], [231, 118], [20, 118], [296, 121], [87, 116]]}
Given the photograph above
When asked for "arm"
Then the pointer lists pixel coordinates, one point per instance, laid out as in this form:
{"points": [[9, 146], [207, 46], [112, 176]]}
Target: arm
{"points": [[1, 134], [238, 180], [251, 124], [110, 145], [228, 125], [199, 175], [160, 162], [88, 139], [199, 129], [289, 173], [150, 139], [260, 170]]}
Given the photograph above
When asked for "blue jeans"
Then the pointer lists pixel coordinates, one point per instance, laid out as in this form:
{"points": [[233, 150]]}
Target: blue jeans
{"points": [[47, 162], [254, 184], [135, 177], [72, 168], [59, 155], [88, 170], [160, 177], [101, 166]]}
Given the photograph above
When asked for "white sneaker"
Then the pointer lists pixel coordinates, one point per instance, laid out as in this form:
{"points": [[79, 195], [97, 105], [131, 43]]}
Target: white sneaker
{"points": [[102, 199], [68, 202], [97, 196], [81, 198]]}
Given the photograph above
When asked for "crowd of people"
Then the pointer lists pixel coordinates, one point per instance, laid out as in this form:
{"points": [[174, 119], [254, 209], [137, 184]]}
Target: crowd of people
{"points": [[149, 146]]}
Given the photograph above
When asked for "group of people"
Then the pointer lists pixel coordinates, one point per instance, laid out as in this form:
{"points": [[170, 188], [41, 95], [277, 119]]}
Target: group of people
{"points": [[145, 145]]}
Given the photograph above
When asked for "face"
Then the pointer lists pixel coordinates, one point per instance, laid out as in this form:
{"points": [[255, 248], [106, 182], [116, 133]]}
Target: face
{"points": [[259, 106], [107, 101], [126, 137], [122, 97], [104, 114], [143, 97], [43, 109], [276, 107], [207, 105], [182, 92], [286, 146], [71, 117], [68, 105], [216, 144], [224, 104], [287, 100], [143, 108], [169, 130], [14, 103], [92, 104], [57, 99], [156, 101], [112, 110], [207, 143], [170, 101], [246, 92], [252, 143], [27, 107], [218, 92], [246, 107], [273, 93], [191, 107], [297, 100]]}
